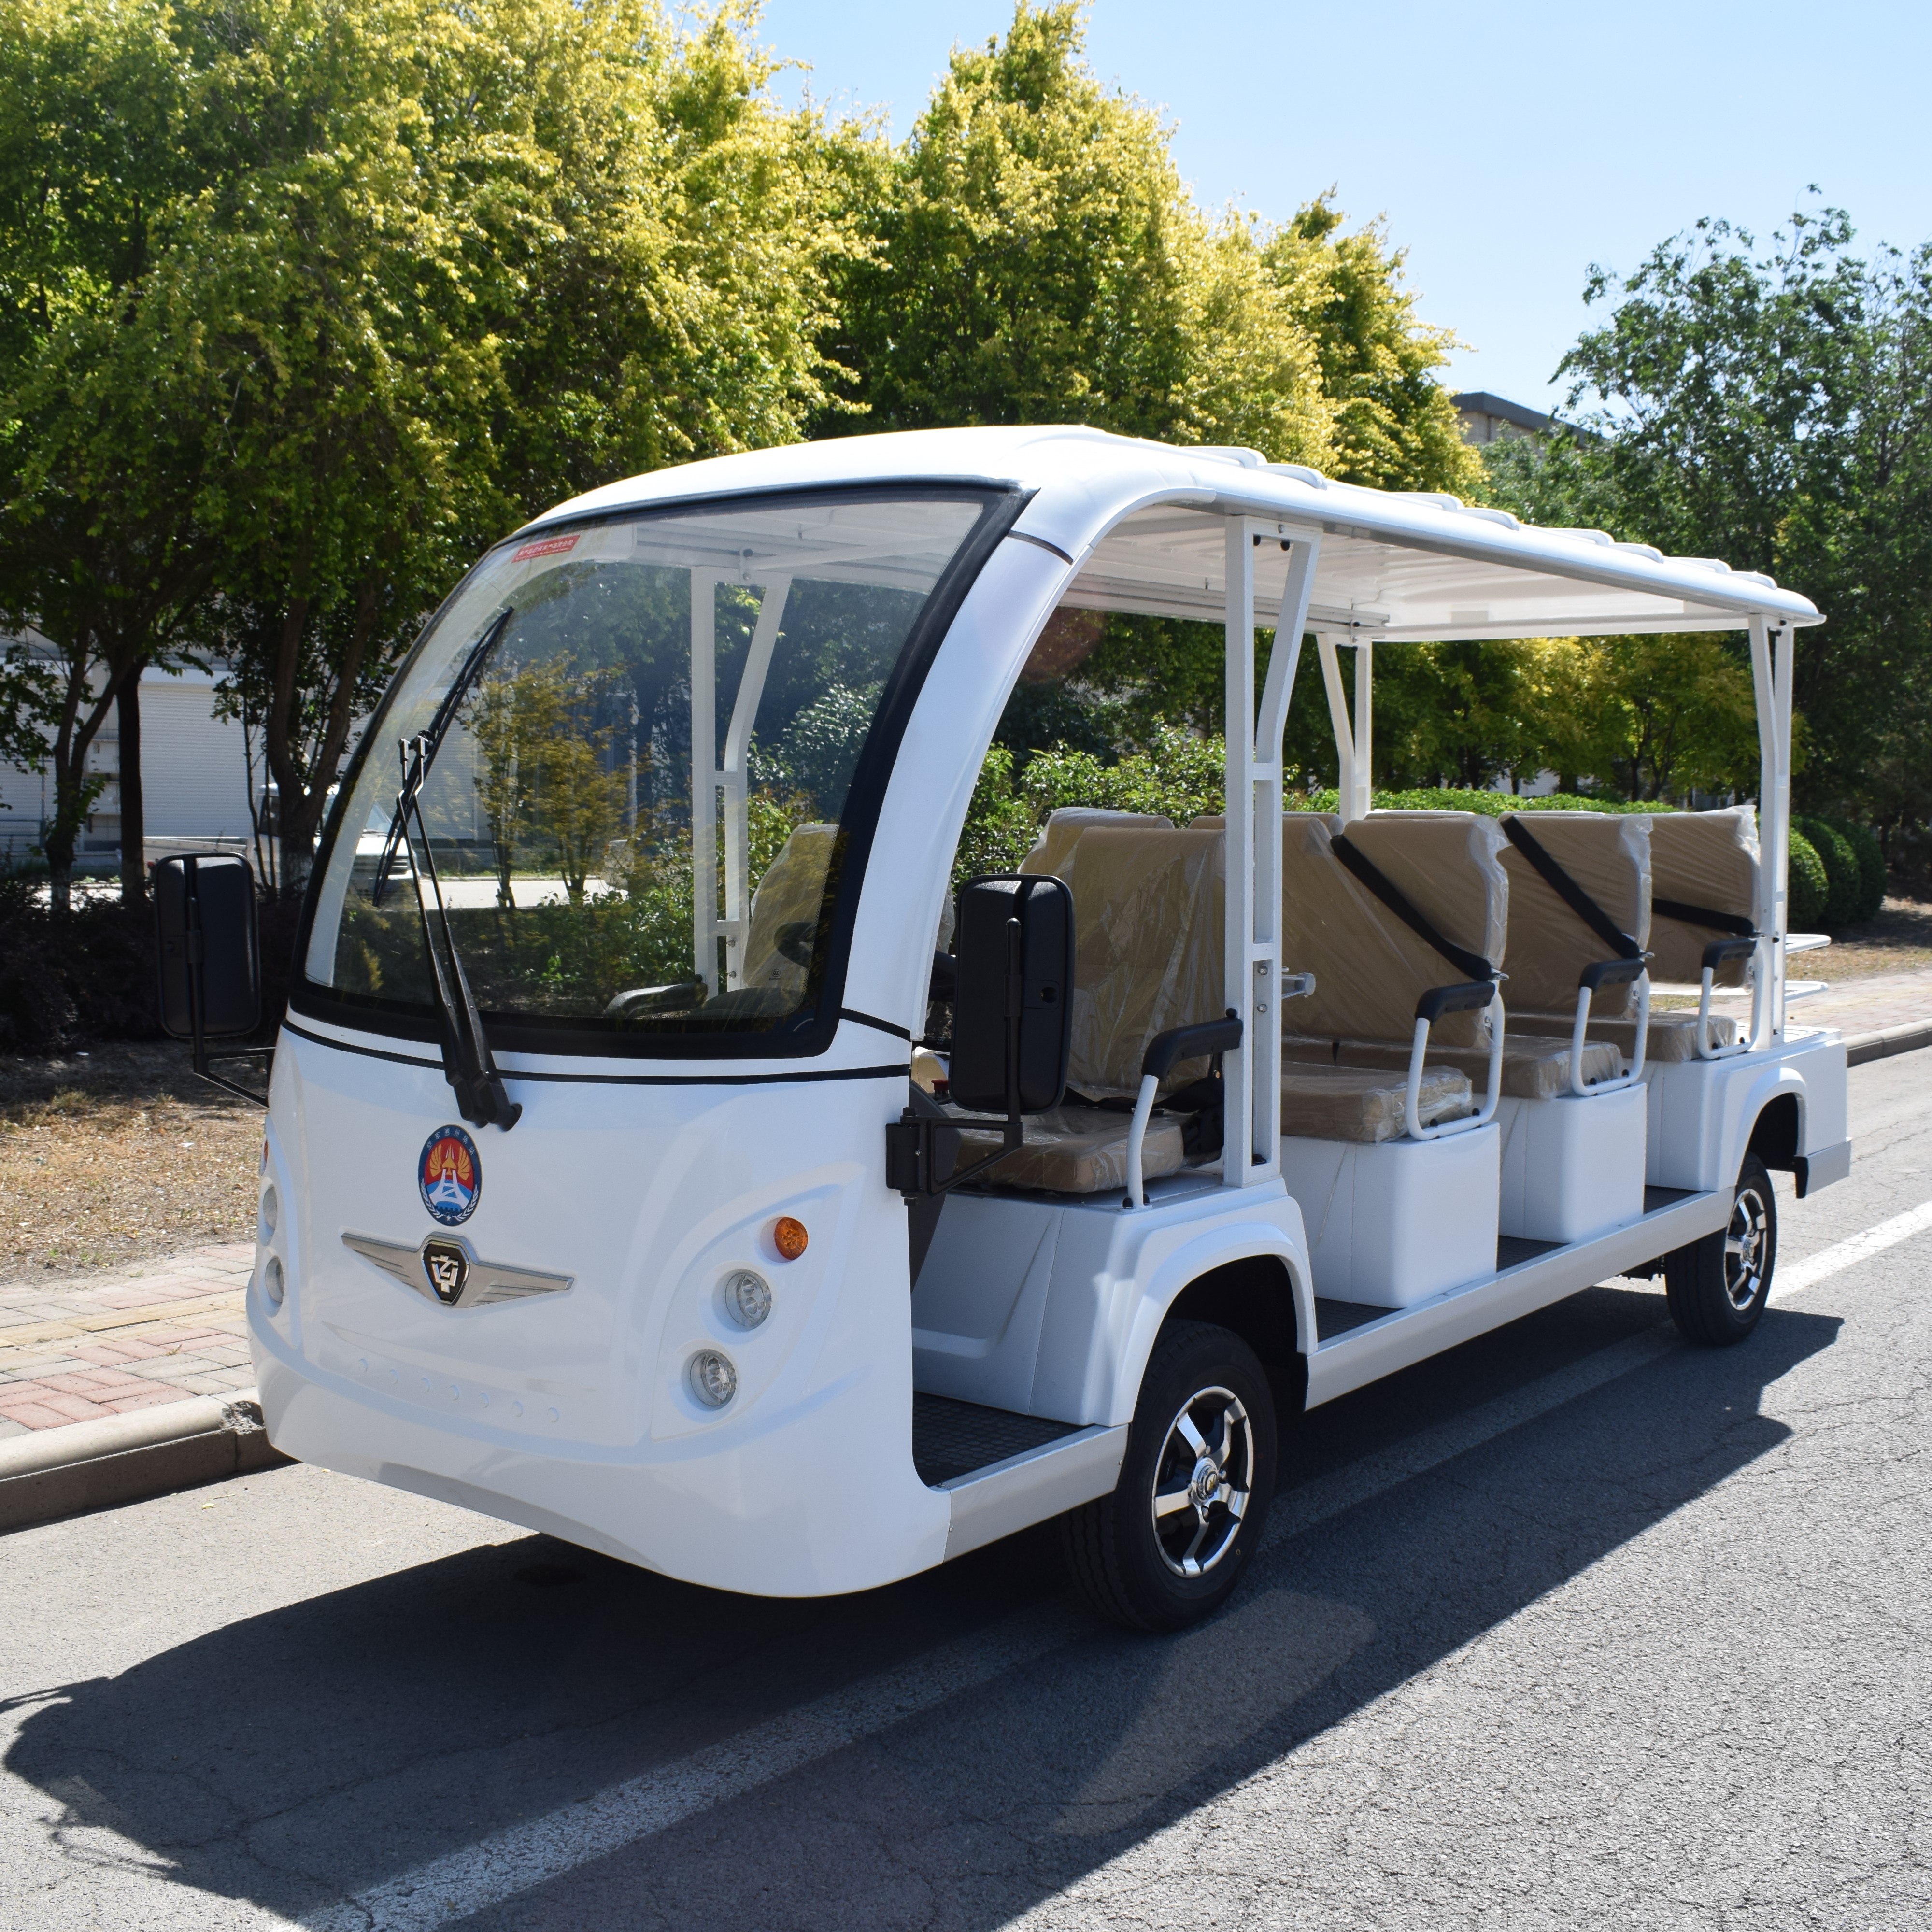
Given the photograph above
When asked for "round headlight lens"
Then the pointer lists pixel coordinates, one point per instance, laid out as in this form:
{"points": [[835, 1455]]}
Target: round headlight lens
{"points": [[748, 1297], [272, 1211], [273, 1284], [713, 1380]]}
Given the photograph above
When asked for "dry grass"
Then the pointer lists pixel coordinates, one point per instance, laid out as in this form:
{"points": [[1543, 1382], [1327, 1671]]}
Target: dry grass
{"points": [[1899, 941], [118, 1154]]}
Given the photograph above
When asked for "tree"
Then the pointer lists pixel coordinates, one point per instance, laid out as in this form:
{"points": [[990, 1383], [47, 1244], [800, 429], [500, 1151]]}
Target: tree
{"points": [[1035, 258], [1774, 409], [479, 260], [99, 458]]}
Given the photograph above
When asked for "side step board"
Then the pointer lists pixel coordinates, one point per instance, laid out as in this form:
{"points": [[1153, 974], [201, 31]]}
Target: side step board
{"points": [[994, 1501], [1406, 1335]]}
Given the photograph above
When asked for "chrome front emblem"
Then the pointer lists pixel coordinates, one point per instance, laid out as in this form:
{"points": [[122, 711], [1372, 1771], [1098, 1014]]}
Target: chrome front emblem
{"points": [[447, 1267], [445, 1270]]}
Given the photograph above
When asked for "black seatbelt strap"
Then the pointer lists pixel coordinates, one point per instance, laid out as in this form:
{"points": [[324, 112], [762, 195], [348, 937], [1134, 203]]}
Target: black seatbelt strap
{"points": [[1471, 965], [1567, 889], [1705, 916]]}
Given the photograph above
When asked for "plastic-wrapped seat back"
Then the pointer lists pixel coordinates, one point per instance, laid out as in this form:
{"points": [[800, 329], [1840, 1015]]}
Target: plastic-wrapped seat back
{"points": [[1062, 830], [1708, 860], [1148, 915], [1370, 968], [785, 910], [1608, 854]]}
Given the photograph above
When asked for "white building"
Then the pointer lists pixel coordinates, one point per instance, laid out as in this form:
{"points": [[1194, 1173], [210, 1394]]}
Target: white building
{"points": [[195, 780]]}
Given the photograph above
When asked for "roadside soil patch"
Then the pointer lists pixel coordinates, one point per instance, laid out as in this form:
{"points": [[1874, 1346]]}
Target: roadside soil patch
{"points": [[1899, 941], [118, 1153]]}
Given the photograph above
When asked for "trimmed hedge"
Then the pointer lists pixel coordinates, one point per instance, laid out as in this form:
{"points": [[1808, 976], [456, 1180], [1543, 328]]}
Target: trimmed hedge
{"points": [[1496, 803], [1870, 856], [89, 974], [1807, 884]]}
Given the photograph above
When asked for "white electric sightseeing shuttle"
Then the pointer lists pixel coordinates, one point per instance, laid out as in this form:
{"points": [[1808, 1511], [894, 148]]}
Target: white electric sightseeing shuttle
{"points": [[666, 1148]]}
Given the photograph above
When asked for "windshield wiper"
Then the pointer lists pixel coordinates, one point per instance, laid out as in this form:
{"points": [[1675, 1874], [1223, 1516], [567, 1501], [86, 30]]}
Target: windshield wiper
{"points": [[468, 1064], [430, 740]]}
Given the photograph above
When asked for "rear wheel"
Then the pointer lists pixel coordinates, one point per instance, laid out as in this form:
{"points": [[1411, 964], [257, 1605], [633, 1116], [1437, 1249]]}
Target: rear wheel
{"points": [[1169, 1544], [1717, 1287]]}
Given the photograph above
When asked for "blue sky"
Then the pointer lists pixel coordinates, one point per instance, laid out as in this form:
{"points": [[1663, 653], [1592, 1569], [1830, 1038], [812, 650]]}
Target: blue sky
{"points": [[1508, 145]]}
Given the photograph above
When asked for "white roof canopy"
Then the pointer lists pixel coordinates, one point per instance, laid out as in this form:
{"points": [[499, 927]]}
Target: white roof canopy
{"points": [[1393, 566]]}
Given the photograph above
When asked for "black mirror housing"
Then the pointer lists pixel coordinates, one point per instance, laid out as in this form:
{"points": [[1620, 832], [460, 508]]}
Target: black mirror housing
{"points": [[1012, 1005], [208, 946]]}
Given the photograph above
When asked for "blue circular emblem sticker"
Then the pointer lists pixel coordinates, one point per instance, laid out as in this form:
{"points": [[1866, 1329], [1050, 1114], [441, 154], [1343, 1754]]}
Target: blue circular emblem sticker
{"points": [[450, 1173]]}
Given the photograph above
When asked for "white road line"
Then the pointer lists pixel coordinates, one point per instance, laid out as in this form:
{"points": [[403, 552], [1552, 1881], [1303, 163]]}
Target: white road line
{"points": [[1792, 1278], [521, 1856]]}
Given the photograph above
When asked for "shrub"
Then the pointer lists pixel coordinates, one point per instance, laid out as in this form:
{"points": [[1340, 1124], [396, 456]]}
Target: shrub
{"points": [[1870, 856], [1449, 798], [89, 974], [1807, 885], [1844, 890]]}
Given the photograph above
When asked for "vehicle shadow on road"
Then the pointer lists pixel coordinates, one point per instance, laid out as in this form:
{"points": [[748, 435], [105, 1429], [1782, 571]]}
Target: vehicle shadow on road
{"points": [[323, 1748]]}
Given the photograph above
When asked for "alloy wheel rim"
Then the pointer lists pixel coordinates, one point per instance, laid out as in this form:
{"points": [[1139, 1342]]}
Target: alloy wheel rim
{"points": [[1745, 1241], [1203, 1481]]}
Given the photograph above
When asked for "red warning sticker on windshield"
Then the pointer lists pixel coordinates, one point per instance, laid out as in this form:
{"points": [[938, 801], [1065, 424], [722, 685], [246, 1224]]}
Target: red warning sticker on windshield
{"points": [[544, 547]]}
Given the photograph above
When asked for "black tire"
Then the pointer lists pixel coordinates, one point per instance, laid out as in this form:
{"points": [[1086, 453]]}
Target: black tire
{"points": [[1717, 1287], [1162, 1571]]}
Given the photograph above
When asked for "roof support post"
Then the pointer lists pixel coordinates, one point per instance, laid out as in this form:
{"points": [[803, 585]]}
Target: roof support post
{"points": [[1771, 651], [1252, 940], [1338, 717], [733, 778], [1361, 766], [704, 777]]}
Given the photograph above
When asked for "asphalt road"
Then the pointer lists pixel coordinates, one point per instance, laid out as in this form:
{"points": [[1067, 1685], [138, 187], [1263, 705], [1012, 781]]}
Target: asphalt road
{"points": [[1576, 1626]]}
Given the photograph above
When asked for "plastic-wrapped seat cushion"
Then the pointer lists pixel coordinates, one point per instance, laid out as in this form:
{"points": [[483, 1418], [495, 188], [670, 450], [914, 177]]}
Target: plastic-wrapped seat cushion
{"points": [[1063, 829], [790, 894], [1535, 1066], [1673, 1036], [1608, 854], [1353, 1103], [1705, 859], [1369, 968], [1074, 1149], [1148, 916]]}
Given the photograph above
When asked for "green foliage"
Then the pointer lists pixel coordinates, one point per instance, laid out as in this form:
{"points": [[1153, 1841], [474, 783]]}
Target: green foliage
{"points": [[1844, 885], [1767, 408], [1450, 798], [1808, 888], [1872, 872], [1035, 257], [1178, 776]]}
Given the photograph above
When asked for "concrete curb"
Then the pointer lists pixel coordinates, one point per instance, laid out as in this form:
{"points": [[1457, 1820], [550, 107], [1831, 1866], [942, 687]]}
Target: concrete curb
{"points": [[1860, 1047], [88, 1466]]}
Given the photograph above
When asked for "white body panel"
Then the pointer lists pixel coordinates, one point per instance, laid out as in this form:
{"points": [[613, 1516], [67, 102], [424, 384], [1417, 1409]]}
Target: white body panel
{"points": [[1394, 1222], [1044, 1306], [1572, 1168], [1701, 1111]]}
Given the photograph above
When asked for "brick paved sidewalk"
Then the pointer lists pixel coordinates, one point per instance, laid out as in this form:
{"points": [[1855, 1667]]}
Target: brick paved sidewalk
{"points": [[99, 1344], [1869, 1005]]}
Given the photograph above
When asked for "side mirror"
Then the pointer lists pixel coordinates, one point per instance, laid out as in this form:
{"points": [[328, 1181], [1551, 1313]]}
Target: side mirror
{"points": [[1012, 1002], [210, 953]]}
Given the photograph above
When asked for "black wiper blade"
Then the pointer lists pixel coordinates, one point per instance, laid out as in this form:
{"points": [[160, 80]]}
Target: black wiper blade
{"points": [[419, 752]]}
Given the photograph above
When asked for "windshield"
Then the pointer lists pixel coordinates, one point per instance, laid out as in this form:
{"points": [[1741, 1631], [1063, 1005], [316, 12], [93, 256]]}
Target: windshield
{"points": [[639, 813]]}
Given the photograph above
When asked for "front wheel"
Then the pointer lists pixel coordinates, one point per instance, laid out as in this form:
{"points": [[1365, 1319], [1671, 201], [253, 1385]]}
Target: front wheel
{"points": [[1169, 1544], [1717, 1287]]}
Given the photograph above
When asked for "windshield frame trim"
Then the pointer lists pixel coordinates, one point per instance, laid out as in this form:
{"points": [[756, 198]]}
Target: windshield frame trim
{"points": [[1002, 504]]}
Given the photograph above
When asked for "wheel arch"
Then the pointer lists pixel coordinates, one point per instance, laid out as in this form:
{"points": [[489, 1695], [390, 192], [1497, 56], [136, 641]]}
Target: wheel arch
{"points": [[1257, 1283]]}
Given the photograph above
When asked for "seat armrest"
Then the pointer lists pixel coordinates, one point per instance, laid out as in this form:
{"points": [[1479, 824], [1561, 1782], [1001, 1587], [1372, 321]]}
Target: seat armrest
{"points": [[1166, 1051], [1612, 972], [1470, 996]]}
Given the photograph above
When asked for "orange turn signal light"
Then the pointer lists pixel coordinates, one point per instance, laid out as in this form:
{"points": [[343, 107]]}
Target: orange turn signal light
{"points": [[789, 1236]]}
